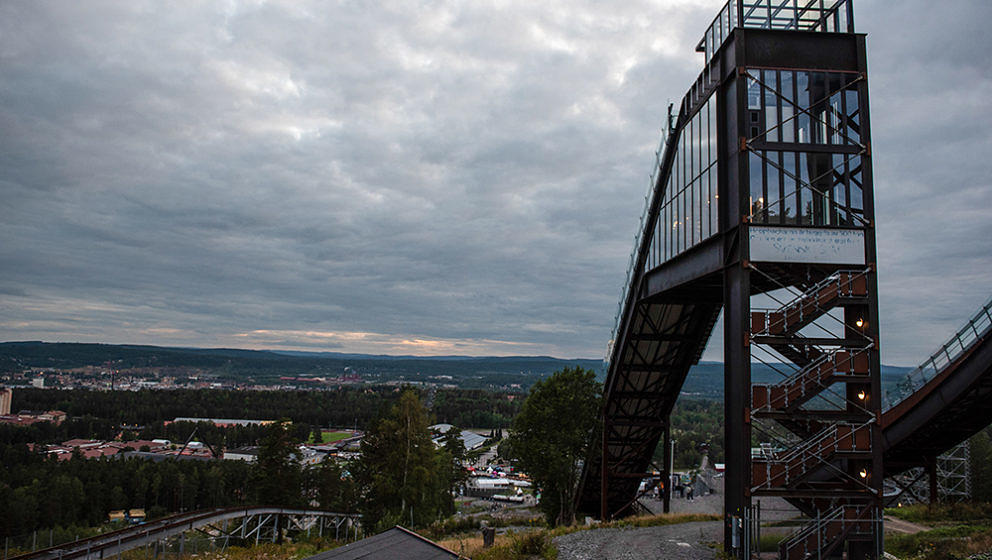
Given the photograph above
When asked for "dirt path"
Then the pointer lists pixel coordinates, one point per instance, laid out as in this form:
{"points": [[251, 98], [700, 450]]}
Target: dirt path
{"points": [[685, 541], [895, 525]]}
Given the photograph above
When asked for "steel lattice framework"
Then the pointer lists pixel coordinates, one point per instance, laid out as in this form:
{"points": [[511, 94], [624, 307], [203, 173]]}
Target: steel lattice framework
{"points": [[761, 195], [761, 204]]}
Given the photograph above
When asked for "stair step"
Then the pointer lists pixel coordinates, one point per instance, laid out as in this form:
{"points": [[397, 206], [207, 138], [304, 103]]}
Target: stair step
{"points": [[810, 381], [810, 306], [793, 465]]}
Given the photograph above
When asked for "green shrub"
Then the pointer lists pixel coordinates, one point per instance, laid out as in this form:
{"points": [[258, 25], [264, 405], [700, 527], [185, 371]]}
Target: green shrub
{"points": [[769, 543], [522, 546], [923, 513], [943, 543]]}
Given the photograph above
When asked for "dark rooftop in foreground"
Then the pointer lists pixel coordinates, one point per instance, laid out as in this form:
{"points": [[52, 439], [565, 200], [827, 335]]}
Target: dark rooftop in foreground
{"points": [[396, 543]]}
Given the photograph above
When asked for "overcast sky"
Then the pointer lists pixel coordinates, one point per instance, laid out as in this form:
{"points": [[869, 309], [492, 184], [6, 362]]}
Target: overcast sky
{"points": [[420, 178]]}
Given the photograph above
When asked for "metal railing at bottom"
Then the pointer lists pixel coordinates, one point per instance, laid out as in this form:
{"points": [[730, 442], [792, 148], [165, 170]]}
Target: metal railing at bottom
{"points": [[814, 538], [257, 524]]}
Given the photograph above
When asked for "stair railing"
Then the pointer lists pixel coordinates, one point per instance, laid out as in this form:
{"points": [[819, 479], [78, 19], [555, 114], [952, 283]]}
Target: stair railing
{"points": [[808, 449], [844, 279], [814, 366], [639, 236], [819, 528], [967, 337]]}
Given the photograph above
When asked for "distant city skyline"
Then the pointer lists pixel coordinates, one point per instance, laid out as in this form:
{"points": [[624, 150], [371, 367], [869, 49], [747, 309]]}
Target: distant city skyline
{"points": [[458, 179]]}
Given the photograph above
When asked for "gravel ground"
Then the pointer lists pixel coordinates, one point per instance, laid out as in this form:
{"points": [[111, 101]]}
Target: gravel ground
{"points": [[679, 542], [685, 541], [772, 509]]}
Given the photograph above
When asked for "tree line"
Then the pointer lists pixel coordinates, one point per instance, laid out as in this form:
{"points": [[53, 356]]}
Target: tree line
{"points": [[400, 476], [346, 407]]}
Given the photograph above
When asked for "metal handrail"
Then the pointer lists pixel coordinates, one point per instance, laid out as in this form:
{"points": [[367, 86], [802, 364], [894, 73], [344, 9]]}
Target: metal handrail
{"points": [[818, 526], [776, 14], [973, 332], [115, 539], [830, 356], [809, 449], [814, 292], [639, 236], [800, 536]]}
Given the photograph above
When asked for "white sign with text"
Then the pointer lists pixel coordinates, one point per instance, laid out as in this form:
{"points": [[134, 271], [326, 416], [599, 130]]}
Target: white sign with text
{"points": [[807, 245]]}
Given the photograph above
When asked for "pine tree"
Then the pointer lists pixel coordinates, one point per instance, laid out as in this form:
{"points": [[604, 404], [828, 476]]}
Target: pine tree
{"points": [[278, 476], [552, 434], [397, 473]]}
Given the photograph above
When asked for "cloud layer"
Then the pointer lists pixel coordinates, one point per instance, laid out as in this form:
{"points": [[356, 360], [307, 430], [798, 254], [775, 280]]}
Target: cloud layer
{"points": [[426, 178]]}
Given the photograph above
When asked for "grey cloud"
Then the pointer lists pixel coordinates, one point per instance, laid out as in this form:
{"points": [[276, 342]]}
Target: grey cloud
{"points": [[442, 172]]}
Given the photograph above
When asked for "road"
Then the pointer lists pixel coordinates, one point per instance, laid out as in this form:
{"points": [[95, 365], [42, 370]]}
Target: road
{"points": [[686, 541]]}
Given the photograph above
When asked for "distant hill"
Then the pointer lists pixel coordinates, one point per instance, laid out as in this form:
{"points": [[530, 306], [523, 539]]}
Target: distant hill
{"points": [[267, 365], [705, 380]]}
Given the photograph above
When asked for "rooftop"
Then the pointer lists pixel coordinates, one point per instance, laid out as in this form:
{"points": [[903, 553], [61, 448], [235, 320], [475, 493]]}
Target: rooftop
{"points": [[396, 544], [830, 16]]}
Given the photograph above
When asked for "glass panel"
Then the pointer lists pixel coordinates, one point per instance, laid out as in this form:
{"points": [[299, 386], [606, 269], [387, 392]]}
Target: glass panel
{"points": [[773, 200], [700, 207], [789, 214], [753, 93], [691, 155], [675, 227], [857, 198], [756, 200], [818, 108], [704, 204], [771, 105], [822, 179], [802, 100], [680, 233], [788, 127], [840, 191], [835, 107], [714, 209], [853, 130], [668, 231], [711, 107], [701, 142], [694, 212], [804, 199], [687, 215]]}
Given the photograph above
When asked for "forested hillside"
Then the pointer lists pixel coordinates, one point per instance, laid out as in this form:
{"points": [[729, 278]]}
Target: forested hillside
{"points": [[346, 407]]}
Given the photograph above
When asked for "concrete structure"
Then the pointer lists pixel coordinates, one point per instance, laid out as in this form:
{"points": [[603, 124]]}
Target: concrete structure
{"points": [[6, 395]]}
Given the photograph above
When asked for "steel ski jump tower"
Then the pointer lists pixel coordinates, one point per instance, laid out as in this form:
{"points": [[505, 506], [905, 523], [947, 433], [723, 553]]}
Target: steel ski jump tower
{"points": [[761, 204]]}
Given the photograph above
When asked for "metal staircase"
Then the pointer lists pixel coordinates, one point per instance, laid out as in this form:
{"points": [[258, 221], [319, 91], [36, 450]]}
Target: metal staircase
{"points": [[762, 183], [812, 304], [825, 533], [824, 466], [786, 468], [810, 381]]}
